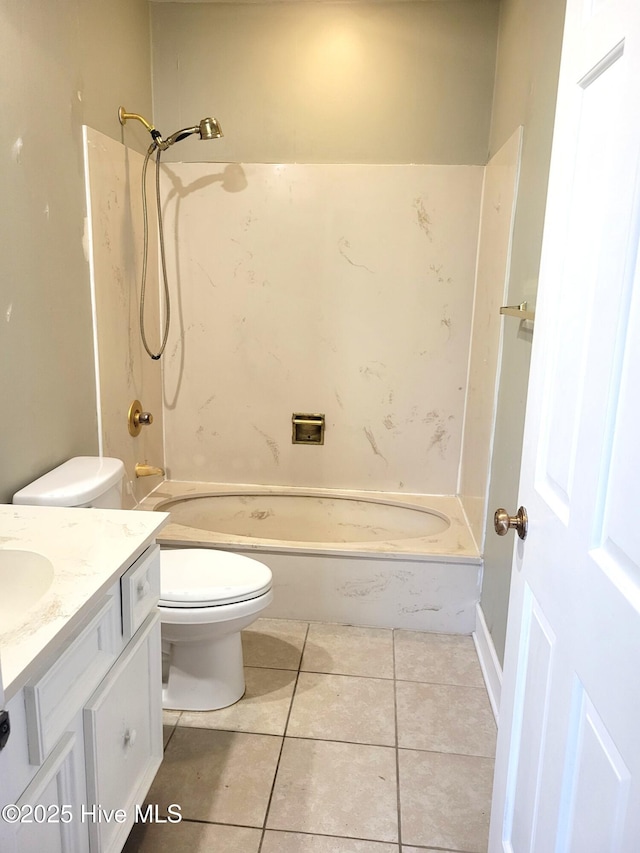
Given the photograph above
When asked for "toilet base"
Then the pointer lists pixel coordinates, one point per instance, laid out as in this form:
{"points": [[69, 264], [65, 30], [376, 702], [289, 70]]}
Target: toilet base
{"points": [[204, 676]]}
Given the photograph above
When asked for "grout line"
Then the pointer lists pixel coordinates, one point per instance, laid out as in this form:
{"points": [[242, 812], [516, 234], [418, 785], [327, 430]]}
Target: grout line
{"points": [[394, 746], [348, 742], [443, 684], [286, 724], [395, 720], [173, 731], [319, 835], [440, 752], [348, 674], [278, 668], [204, 822], [230, 731]]}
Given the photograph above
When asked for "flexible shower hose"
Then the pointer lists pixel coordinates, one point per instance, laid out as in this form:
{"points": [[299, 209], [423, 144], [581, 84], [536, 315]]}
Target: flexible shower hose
{"points": [[145, 218]]}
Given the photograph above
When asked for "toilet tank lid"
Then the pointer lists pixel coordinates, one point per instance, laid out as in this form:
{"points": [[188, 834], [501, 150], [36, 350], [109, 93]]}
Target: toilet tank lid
{"points": [[74, 483]]}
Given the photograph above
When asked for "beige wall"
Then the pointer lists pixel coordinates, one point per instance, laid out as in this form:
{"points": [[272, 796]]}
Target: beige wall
{"points": [[526, 80], [64, 63], [328, 82]]}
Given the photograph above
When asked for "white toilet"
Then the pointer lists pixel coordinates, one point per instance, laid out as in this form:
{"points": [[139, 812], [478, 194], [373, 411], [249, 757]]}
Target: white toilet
{"points": [[206, 598]]}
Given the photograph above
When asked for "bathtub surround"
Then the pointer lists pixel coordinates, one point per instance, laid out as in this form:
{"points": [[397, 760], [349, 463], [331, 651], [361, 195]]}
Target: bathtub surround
{"points": [[492, 275], [299, 291], [124, 372], [339, 289]]}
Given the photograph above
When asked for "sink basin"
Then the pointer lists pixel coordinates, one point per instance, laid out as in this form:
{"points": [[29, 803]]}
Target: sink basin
{"points": [[24, 578]]}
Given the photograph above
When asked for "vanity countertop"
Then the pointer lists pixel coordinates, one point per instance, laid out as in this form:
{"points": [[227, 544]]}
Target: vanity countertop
{"points": [[88, 549]]}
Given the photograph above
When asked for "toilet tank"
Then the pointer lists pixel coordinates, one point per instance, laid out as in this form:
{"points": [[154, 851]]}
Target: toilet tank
{"points": [[84, 481]]}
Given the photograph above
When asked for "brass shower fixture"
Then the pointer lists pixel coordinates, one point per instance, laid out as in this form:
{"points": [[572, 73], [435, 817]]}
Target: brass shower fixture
{"points": [[123, 116], [136, 418], [207, 128]]}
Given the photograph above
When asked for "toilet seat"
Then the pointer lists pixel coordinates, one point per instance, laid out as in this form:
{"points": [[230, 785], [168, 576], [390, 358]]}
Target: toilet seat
{"points": [[202, 577]]}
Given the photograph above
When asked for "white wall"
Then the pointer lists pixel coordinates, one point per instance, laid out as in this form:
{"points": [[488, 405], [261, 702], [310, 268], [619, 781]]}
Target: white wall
{"points": [[345, 290]]}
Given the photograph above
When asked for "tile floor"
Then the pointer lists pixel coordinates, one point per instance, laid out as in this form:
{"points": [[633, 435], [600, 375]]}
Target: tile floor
{"points": [[348, 740]]}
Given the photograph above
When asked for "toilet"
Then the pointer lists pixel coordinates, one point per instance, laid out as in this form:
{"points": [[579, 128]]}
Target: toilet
{"points": [[206, 597]]}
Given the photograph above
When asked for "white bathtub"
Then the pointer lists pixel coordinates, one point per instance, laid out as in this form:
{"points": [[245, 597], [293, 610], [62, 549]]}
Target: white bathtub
{"points": [[359, 558]]}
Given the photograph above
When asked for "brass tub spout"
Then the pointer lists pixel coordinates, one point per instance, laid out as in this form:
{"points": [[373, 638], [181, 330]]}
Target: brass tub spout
{"points": [[144, 470]]}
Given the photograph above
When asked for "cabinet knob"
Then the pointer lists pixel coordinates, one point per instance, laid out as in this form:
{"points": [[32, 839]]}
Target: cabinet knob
{"points": [[144, 587], [130, 737]]}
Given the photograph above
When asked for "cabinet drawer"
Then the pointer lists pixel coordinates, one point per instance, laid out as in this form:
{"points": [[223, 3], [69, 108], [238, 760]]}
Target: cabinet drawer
{"points": [[140, 587], [54, 699], [123, 736]]}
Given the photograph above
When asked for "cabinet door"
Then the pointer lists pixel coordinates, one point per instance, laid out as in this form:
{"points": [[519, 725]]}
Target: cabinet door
{"points": [[50, 810], [123, 738]]}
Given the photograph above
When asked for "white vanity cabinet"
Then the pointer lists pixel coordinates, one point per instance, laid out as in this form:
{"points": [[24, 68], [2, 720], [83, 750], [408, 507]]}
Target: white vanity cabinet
{"points": [[86, 730], [123, 737]]}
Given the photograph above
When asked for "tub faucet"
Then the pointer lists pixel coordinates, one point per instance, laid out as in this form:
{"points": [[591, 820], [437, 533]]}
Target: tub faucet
{"points": [[144, 470]]}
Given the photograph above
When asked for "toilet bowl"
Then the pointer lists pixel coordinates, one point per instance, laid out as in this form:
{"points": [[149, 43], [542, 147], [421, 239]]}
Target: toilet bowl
{"points": [[206, 598]]}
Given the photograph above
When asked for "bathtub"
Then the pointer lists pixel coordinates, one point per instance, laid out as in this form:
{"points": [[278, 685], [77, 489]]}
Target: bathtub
{"points": [[357, 558]]}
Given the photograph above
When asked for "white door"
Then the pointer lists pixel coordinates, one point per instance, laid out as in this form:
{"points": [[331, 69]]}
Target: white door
{"points": [[568, 757]]}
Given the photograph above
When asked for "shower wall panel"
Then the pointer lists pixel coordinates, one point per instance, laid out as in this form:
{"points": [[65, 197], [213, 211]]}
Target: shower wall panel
{"points": [[124, 371], [494, 257], [335, 289]]}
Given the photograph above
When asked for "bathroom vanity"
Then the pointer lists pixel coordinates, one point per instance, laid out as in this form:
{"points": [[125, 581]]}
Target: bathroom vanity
{"points": [[81, 666]]}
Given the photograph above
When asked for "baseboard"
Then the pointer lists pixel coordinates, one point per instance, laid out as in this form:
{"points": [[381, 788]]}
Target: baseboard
{"points": [[489, 663]]}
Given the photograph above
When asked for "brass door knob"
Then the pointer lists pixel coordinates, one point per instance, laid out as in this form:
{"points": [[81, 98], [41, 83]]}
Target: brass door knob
{"points": [[503, 522]]}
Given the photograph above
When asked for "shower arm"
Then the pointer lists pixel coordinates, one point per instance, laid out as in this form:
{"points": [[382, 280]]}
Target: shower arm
{"points": [[158, 141], [123, 115]]}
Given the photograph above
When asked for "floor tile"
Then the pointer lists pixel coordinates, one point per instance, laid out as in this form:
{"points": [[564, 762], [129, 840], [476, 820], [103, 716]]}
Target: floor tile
{"points": [[437, 658], [406, 849], [343, 707], [445, 800], [217, 776], [347, 650], [274, 643], [263, 708], [336, 789], [445, 718], [194, 837], [170, 718], [294, 842]]}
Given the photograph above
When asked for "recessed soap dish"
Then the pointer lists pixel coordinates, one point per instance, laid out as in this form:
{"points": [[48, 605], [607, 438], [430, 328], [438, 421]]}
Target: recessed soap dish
{"points": [[307, 429]]}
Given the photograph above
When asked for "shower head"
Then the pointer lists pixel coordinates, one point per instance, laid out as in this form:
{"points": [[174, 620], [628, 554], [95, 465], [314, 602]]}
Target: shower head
{"points": [[208, 129]]}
